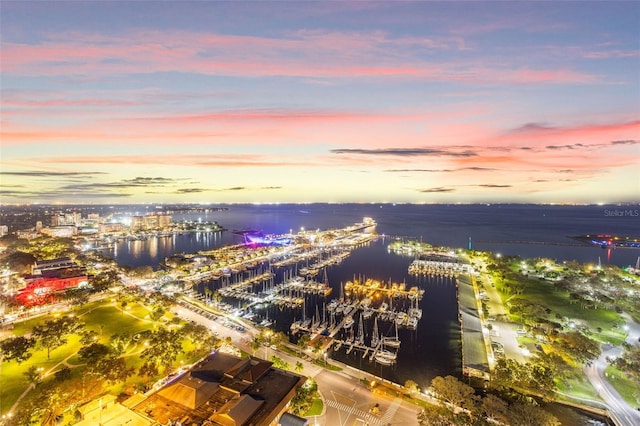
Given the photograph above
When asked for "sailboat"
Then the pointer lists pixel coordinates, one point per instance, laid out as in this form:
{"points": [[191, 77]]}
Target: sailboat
{"points": [[375, 338], [360, 336], [393, 341], [385, 357]]}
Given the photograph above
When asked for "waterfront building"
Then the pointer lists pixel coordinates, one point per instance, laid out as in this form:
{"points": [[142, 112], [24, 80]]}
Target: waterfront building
{"points": [[107, 228], [137, 223], [164, 220], [149, 222]]}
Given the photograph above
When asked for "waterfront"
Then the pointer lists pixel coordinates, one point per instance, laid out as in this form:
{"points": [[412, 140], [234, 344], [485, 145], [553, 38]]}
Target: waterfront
{"points": [[434, 348], [447, 225]]}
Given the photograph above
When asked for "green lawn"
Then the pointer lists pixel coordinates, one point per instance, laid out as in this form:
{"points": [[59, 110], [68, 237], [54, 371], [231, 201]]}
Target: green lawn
{"points": [[625, 387], [544, 294], [94, 315], [578, 387], [315, 409]]}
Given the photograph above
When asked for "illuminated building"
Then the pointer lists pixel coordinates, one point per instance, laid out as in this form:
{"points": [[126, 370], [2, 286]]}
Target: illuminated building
{"points": [[49, 278], [137, 223], [106, 228], [62, 231]]}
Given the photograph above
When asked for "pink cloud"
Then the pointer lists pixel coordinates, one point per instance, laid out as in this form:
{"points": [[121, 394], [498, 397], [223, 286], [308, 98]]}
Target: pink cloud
{"points": [[305, 54], [227, 160]]}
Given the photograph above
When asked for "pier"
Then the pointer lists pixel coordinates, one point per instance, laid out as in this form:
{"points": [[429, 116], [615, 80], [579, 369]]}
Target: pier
{"points": [[475, 341]]}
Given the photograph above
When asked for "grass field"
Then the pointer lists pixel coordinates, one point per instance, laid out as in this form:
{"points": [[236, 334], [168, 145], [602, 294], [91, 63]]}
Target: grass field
{"points": [[625, 387], [579, 388], [544, 294], [104, 317], [315, 409]]}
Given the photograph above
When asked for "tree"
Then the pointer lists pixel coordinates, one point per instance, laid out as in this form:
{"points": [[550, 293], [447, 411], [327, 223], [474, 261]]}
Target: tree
{"points": [[89, 337], [20, 262], [299, 367], [123, 305], [156, 314], [255, 345], [437, 416], [54, 333], [411, 386], [33, 374], [163, 349], [120, 342], [629, 362], [303, 341], [523, 414], [580, 346], [113, 369], [495, 409], [104, 279], [63, 374], [451, 390], [16, 348], [93, 353], [280, 363]]}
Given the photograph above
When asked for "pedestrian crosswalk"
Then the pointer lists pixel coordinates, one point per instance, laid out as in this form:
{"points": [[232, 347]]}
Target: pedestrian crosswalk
{"points": [[388, 415], [352, 410]]}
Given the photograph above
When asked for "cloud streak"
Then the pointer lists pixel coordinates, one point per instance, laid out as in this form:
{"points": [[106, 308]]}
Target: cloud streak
{"points": [[316, 54], [406, 152]]}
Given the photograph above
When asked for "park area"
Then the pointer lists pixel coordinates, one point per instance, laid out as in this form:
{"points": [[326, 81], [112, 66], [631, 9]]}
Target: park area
{"points": [[119, 345]]}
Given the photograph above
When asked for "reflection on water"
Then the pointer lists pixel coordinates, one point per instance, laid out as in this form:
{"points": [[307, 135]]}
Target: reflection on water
{"points": [[153, 250]]}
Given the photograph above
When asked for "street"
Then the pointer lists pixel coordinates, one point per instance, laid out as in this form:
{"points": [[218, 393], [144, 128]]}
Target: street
{"points": [[346, 400]]}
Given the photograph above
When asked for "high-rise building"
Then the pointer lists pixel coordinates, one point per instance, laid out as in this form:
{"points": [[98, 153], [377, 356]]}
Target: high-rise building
{"points": [[137, 223]]}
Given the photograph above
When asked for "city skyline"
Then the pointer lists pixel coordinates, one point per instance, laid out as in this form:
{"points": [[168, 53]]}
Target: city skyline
{"points": [[230, 102]]}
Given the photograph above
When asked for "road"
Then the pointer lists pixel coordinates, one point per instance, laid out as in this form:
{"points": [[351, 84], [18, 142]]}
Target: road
{"points": [[346, 400], [621, 412], [503, 331]]}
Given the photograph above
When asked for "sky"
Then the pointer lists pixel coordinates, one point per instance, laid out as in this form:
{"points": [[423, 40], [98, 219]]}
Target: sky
{"points": [[266, 102]]}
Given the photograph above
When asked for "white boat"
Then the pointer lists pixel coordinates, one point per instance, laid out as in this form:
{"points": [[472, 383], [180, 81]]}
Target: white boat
{"points": [[348, 323], [412, 323], [385, 357], [375, 339], [393, 341]]}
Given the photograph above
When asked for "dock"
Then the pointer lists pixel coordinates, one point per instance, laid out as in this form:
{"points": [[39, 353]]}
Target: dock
{"points": [[475, 341]]}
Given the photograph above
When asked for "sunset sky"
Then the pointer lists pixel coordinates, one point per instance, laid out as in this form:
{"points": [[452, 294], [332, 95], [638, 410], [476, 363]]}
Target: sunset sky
{"points": [[426, 102]]}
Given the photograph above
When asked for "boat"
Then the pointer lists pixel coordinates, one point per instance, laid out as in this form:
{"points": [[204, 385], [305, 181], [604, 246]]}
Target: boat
{"points": [[412, 323], [385, 357], [348, 322], [375, 338], [383, 360], [360, 336], [392, 341]]}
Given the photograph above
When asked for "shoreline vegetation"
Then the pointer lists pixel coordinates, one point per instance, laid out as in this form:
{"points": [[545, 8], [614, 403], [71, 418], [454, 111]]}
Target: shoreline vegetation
{"points": [[566, 312]]}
